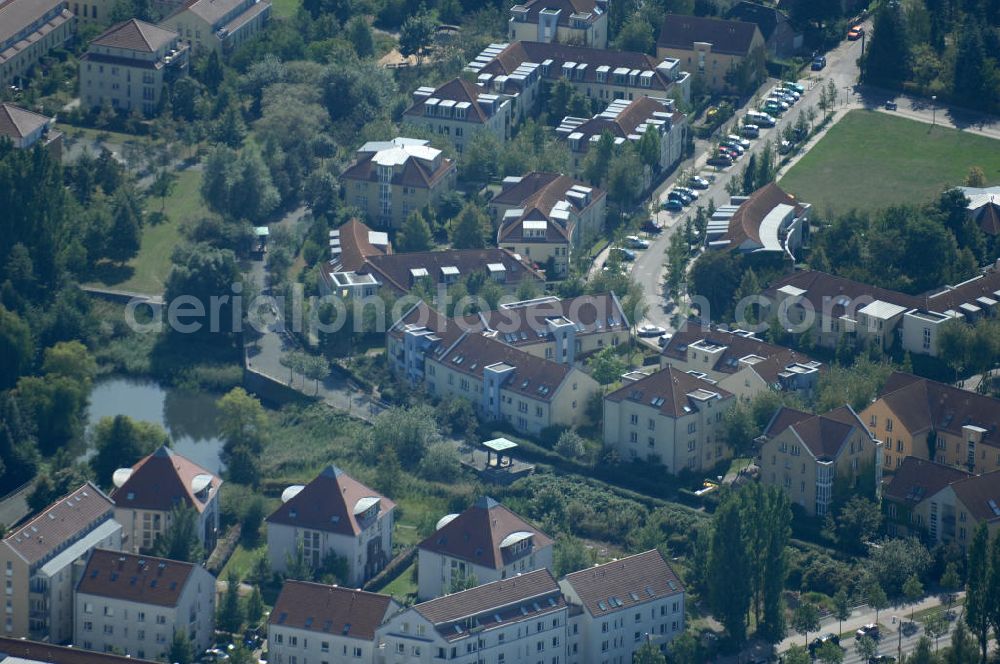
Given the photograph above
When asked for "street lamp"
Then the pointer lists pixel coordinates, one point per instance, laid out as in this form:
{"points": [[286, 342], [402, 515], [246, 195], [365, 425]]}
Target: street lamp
{"points": [[847, 94], [899, 647], [933, 110]]}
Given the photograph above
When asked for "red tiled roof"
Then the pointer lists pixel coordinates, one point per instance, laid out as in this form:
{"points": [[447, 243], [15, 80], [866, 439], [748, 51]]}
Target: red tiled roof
{"points": [[457, 89], [61, 521], [825, 435], [134, 578], [161, 480], [916, 479], [519, 326], [330, 609], [567, 9], [475, 535], [394, 269], [745, 222], [924, 405], [414, 172], [638, 111], [331, 503], [668, 391], [680, 31], [737, 346], [625, 584], [35, 651], [981, 495], [16, 122], [537, 194], [355, 247]]}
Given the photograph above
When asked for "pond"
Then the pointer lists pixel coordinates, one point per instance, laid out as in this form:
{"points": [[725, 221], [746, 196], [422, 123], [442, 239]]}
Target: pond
{"points": [[190, 418]]}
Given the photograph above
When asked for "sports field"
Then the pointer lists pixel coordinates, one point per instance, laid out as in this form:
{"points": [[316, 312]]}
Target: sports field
{"points": [[871, 159]]}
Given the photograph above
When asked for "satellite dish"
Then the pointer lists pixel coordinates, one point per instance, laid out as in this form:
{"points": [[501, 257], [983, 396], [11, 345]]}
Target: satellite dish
{"points": [[444, 521], [291, 492], [200, 482], [121, 476]]}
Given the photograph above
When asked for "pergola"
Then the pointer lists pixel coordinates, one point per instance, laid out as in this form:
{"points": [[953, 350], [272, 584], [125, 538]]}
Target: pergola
{"points": [[501, 447]]}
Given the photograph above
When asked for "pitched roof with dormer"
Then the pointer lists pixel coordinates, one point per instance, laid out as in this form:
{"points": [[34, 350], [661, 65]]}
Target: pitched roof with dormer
{"points": [[588, 11], [916, 479], [459, 91], [824, 435], [740, 349], [624, 584], [680, 31], [674, 393], [548, 197], [749, 217], [330, 610], [397, 270], [333, 502], [135, 578], [483, 535], [163, 480]]}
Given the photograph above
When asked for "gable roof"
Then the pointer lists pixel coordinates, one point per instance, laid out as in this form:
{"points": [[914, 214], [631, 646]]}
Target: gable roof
{"points": [[624, 584], [356, 245], [765, 18], [414, 163], [22, 651], [924, 405], [825, 435], [457, 90], [673, 392], [334, 502], [587, 10], [916, 479], [727, 37], [59, 523], [330, 609], [773, 361], [17, 123], [135, 35], [477, 535], [489, 597], [533, 377], [16, 15], [981, 495], [523, 324], [746, 222], [395, 269], [537, 195], [134, 578], [821, 288], [622, 118], [164, 478]]}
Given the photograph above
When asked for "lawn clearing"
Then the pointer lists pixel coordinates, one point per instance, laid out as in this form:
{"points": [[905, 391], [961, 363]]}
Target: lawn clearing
{"points": [[148, 271], [871, 160], [243, 560], [403, 586], [285, 8]]}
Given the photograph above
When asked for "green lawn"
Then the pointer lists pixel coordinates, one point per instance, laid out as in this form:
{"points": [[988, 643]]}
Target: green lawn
{"points": [[243, 560], [870, 160], [285, 8], [403, 585], [147, 272]]}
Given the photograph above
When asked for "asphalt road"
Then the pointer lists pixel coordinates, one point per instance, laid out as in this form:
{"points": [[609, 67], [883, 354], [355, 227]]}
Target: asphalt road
{"points": [[648, 270]]}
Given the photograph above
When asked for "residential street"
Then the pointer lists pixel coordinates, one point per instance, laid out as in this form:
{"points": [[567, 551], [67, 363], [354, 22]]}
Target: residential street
{"points": [[648, 270]]}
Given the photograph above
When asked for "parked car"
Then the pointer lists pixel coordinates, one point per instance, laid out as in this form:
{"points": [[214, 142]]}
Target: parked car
{"points": [[819, 641], [623, 254], [890, 106], [772, 108], [664, 339], [744, 143], [680, 196], [784, 147], [750, 131], [720, 160], [818, 63], [650, 330], [696, 182], [733, 146], [791, 85], [882, 659], [869, 630], [729, 152], [855, 33], [673, 205], [636, 242], [759, 118], [690, 193], [649, 226], [775, 99]]}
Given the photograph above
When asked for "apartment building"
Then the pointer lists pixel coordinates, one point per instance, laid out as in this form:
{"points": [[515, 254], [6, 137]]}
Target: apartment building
{"points": [[41, 561], [780, 36], [29, 29], [917, 417], [519, 69], [460, 110], [810, 455], [767, 221], [957, 510], [93, 11], [545, 217], [904, 496], [518, 619], [333, 514], [832, 307], [485, 543], [390, 179], [128, 66], [218, 25], [984, 208], [22, 651], [313, 622], [147, 494], [351, 246], [668, 417], [617, 607], [132, 604], [739, 362], [24, 129], [577, 22], [628, 121], [713, 48]]}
